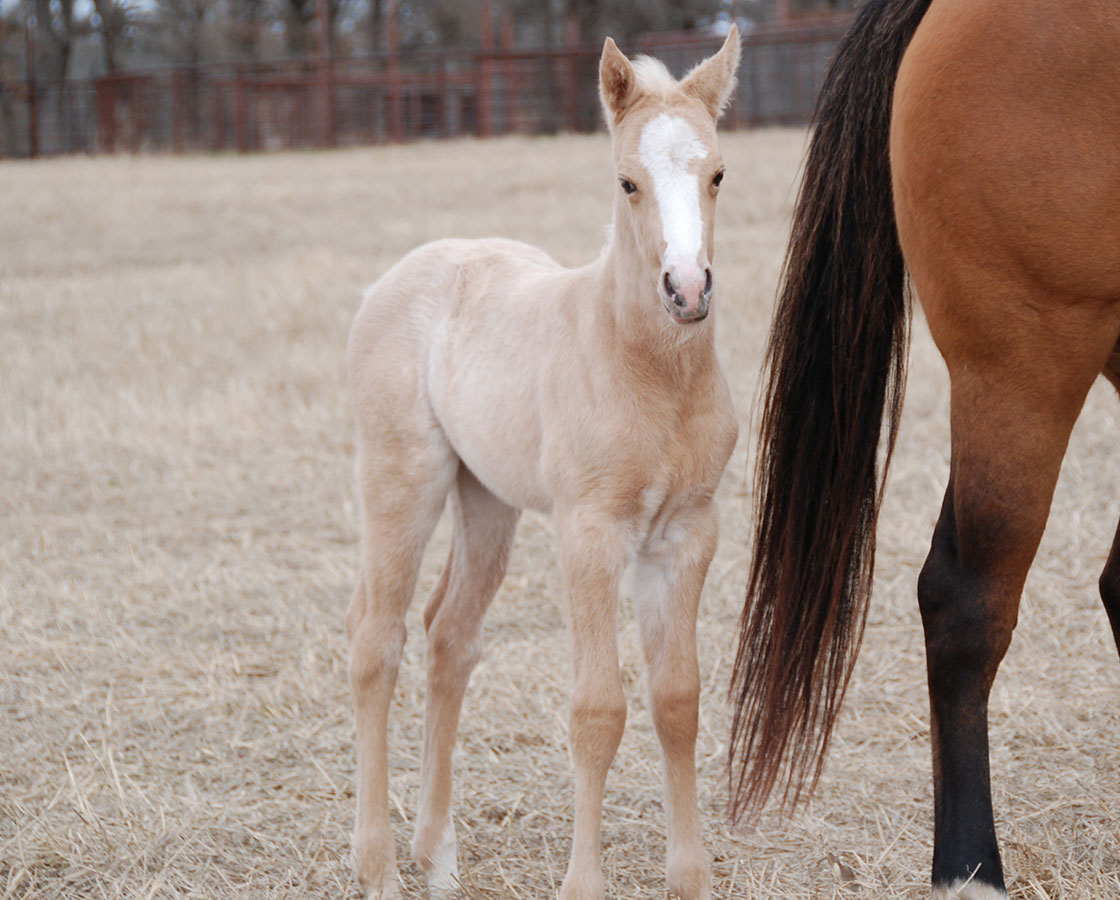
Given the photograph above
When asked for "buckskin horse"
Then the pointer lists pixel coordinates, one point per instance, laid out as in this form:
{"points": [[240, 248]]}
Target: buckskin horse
{"points": [[976, 147]]}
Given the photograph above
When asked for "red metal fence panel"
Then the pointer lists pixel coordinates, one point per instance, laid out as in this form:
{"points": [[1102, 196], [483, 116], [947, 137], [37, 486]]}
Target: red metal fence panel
{"points": [[391, 98]]}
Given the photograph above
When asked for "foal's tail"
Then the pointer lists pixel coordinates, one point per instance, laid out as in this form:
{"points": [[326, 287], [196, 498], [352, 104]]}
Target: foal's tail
{"points": [[836, 360]]}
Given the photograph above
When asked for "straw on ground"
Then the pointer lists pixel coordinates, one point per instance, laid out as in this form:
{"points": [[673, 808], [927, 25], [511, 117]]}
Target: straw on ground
{"points": [[178, 542]]}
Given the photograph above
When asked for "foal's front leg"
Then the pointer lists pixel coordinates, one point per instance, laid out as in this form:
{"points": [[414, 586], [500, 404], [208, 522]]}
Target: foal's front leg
{"points": [[667, 581], [593, 553]]}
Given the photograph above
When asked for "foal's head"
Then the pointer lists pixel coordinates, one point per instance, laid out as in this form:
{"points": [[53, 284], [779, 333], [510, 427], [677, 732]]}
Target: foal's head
{"points": [[669, 167]]}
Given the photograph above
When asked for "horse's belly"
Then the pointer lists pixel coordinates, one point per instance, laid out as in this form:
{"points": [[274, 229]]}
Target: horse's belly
{"points": [[489, 412], [505, 458]]}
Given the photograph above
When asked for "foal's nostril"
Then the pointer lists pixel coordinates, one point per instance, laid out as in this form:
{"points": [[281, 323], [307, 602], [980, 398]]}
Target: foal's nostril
{"points": [[667, 283], [707, 281]]}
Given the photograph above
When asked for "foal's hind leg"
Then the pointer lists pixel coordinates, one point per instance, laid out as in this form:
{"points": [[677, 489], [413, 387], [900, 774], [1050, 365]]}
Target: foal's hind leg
{"points": [[1012, 411], [484, 527], [1110, 577], [404, 475]]}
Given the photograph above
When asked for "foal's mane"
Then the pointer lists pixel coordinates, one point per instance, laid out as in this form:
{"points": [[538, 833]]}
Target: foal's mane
{"points": [[654, 79]]}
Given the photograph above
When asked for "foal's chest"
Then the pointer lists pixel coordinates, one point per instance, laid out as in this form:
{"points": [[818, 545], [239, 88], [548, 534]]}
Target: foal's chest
{"points": [[676, 454]]}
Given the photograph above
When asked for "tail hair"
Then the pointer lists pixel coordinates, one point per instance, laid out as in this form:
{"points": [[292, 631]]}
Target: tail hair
{"points": [[834, 381]]}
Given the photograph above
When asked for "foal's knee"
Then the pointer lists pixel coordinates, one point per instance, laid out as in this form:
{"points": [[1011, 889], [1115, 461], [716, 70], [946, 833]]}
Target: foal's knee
{"points": [[597, 723], [376, 645], [676, 709], [451, 652]]}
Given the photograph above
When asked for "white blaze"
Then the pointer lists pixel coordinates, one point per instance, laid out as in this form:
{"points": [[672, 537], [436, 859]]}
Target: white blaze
{"points": [[666, 148]]}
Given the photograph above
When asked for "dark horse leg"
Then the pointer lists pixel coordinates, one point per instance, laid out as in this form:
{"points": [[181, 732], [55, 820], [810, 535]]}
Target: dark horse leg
{"points": [[1010, 431], [1110, 577], [991, 521]]}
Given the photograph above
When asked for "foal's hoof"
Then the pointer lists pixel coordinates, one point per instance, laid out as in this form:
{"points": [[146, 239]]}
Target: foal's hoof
{"points": [[438, 860], [583, 886], [386, 889], [376, 876], [689, 880]]}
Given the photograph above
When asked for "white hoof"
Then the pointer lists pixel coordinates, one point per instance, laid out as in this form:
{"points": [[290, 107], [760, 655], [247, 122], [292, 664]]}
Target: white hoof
{"points": [[441, 867], [967, 890], [376, 872]]}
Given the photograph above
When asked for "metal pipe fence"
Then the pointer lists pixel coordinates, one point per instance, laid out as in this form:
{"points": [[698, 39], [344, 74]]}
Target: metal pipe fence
{"points": [[389, 98]]}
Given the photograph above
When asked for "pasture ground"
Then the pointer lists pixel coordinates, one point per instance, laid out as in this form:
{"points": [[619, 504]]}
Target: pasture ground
{"points": [[178, 539]]}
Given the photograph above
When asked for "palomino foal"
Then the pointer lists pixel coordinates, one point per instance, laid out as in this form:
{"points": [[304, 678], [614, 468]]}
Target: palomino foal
{"points": [[485, 371]]}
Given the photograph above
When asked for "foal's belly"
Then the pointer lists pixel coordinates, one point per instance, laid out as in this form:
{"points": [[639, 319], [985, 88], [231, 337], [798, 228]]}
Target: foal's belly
{"points": [[504, 458], [487, 406]]}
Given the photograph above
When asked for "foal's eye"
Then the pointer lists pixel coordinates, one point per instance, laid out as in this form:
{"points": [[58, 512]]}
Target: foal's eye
{"points": [[717, 178], [628, 185]]}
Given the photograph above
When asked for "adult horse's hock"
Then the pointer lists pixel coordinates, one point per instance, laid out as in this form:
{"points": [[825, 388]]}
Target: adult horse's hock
{"points": [[484, 371], [976, 145]]}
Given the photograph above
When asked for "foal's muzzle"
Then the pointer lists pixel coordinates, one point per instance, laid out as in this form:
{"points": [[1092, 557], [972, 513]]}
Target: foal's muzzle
{"points": [[687, 299]]}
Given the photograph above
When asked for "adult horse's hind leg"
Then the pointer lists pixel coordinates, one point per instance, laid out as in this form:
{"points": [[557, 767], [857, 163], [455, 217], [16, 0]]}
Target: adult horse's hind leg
{"points": [[405, 469], [484, 527], [1110, 587], [1110, 577], [1012, 412]]}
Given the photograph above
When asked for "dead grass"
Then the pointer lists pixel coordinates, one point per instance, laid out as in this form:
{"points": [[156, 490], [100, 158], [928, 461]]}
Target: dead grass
{"points": [[177, 543]]}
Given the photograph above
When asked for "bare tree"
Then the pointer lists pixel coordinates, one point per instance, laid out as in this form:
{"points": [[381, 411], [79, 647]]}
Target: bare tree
{"points": [[12, 64], [247, 19], [626, 20], [810, 8], [180, 30], [375, 25], [111, 21], [57, 28]]}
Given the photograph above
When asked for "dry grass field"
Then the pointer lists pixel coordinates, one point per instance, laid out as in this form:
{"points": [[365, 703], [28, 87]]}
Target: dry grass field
{"points": [[178, 543]]}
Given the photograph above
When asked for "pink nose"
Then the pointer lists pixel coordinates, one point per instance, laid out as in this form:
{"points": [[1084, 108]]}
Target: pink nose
{"points": [[691, 294]]}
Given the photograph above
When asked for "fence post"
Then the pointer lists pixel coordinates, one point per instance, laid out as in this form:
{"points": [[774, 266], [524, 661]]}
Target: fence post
{"points": [[240, 112], [511, 72], [441, 97], [219, 114], [571, 76], [483, 92], [326, 85], [396, 117], [32, 87], [136, 117], [177, 110], [106, 119]]}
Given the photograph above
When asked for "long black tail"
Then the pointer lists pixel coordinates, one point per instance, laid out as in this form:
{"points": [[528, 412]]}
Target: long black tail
{"points": [[836, 360]]}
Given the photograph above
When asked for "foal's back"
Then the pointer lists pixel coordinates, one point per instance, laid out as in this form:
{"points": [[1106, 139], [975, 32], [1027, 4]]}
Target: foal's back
{"points": [[478, 331]]}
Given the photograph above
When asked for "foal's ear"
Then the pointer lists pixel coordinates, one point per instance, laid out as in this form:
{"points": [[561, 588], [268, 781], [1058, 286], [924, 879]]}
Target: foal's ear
{"points": [[617, 83], [712, 82]]}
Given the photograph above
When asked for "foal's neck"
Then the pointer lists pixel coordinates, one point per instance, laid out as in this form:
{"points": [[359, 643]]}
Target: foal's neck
{"points": [[630, 309]]}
